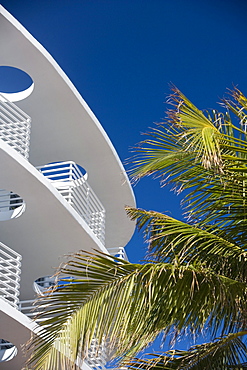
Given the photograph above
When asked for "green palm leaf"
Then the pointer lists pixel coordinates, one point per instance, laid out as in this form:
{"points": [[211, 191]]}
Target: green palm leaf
{"points": [[128, 305], [222, 354], [178, 150], [172, 240]]}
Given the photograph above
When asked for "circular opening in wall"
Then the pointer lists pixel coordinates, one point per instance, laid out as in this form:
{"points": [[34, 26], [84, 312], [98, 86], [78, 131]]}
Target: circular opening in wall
{"points": [[15, 84], [83, 171], [43, 283], [63, 173], [7, 350], [11, 205]]}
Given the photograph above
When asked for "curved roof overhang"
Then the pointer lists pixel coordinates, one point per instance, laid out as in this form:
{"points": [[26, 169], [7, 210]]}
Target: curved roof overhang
{"points": [[64, 127]]}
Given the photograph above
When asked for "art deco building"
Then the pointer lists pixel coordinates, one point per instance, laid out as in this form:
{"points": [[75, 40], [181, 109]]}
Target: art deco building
{"points": [[62, 185]]}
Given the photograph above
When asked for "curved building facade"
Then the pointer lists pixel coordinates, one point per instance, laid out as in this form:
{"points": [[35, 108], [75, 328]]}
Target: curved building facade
{"points": [[62, 185]]}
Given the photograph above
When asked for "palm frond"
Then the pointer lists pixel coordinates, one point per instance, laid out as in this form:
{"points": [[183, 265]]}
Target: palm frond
{"points": [[177, 151], [225, 353], [189, 136], [201, 135], [172, 240], [128, 305], [237, 103]]}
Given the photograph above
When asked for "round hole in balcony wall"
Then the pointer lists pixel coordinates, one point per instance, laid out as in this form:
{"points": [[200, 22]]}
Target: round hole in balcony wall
{"points": [[61, 173], [43, 283], [7, 350], [83, 171], [11, 205], [15, 84]]}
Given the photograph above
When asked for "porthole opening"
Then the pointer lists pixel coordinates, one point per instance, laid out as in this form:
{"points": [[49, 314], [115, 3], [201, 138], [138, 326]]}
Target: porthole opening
{"points": [[11, 205], [7, 350], [83, 171], [63, 172], [15, 84], [44, 283]]}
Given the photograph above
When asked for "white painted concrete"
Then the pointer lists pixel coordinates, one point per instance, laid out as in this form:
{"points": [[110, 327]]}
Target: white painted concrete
{"points": [[63, 128], [14, 327], [20, 95]]}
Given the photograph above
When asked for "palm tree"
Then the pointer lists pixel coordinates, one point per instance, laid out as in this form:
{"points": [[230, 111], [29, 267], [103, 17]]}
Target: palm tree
{"points": [[194, 278]]}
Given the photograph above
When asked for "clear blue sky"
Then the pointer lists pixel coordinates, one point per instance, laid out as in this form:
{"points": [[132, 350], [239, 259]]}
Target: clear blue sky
{"points": [[122, 54]]}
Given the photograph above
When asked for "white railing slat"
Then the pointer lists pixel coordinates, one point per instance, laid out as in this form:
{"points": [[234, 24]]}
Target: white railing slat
{"points": [[10, 270], [67, 178], [15, 126]]}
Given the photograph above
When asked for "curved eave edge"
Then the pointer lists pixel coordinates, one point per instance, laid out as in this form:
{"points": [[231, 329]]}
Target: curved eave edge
{"points": [[62, 74]]}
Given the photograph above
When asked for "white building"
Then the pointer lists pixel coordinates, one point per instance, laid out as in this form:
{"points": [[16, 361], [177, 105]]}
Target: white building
{"points": [[52, 210]]}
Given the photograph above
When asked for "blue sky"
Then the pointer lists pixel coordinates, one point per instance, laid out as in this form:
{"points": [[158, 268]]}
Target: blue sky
{"points": [[122, 54]]}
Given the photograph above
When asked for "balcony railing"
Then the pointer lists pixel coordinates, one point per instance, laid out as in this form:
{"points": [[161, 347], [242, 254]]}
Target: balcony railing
{"points": [[118, 252], [11, 205], [7, 350], [68, 179], [97, 355], [14, 126], [10, 270]]}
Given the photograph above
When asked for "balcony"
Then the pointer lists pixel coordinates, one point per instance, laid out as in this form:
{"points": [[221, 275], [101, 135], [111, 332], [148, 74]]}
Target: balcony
{"points": [[98, 355], [14, 126], [10, 270], [68, 179]]}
